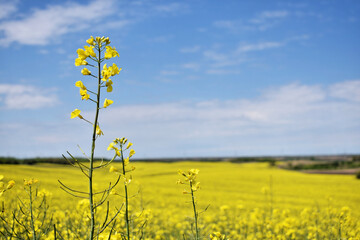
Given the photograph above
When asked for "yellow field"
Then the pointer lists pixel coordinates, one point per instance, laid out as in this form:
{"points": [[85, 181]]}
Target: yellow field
{"points": [[247, 201]]}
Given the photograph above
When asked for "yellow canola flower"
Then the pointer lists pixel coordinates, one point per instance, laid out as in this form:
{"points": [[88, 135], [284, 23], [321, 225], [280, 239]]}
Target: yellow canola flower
{"points": [[105, 73], [111, 146], [82, 54], [1, 177], [129, 145], [115, 70], [84, 94], [111, 52], [113, 169], [76, 113], [107, 41], [90, 50], [80, 85], [98, 131], [85, 71], [79, 61], [30, 182], [108, 84], [194, 171], [217, 236], [132, 152], [90, 41], [11, 183], [108, 102], [126, 161], [195, 186]]}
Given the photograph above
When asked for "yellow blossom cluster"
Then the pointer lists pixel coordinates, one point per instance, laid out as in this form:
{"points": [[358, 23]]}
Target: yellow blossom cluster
{"points": [[99, 45], [4, 187], [29, 182], [108, 72], [190, 176], [119, 150]]}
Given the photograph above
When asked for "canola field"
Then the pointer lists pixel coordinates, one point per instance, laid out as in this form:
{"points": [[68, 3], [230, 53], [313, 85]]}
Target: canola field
{"points": [[236, 201]]}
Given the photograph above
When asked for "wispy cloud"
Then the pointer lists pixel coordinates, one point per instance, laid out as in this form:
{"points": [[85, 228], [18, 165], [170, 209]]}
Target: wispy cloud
{"points": [[301, 112], [259, 46], [45, 25], [7, 8], [262, 21], [288, 119], [348, 90], [170, 8], [266, 15], [17, 96]]}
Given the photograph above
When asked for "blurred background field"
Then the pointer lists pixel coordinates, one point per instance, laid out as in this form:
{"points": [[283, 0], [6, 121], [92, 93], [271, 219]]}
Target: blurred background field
{"points": [[243, 189], [222, 184]]}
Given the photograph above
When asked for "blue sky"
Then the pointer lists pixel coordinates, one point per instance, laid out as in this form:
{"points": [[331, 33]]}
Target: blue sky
{"points": [[199, 78]]}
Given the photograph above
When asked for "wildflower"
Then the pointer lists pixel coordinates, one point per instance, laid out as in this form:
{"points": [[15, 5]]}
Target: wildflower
{"points": [[115, 70], [30, 182], [90, 51], [76, 113], [84, 94], [79, 61], [85, 71], [107, 41], [108, 84], [111, 52], [11, 183], [98, 131], [195, 186], [90, 41], [107, 102], [111, 146], [129, 145], [132, 152], [113, 169], [80, 85], [217, 236], [82, 54], [126, 160]]}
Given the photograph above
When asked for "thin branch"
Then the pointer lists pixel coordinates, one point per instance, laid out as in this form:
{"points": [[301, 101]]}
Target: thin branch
{"points": [[112, 219], [72, 193], [72, 189], [106, 164]]}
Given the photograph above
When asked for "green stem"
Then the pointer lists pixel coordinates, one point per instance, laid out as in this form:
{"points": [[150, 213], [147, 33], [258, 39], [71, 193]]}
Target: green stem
{"points": [[126, 197], [91, 169], [195, 212], [32, 215]]}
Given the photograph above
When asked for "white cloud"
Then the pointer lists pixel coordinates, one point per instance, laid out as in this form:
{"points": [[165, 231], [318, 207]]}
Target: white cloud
{"points": [[17, 96], [191, 65], [260, 22], [7, 8], [259, 46], [45, 25], [349, 90], [263, 16], [299, 112], [289, 119], [169, 8]]}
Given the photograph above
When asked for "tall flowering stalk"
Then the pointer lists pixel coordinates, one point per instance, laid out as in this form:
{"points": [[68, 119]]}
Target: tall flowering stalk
{"points": [[97, 51], [190, 177], [118, 145]]}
